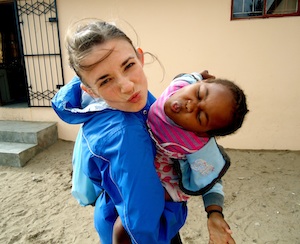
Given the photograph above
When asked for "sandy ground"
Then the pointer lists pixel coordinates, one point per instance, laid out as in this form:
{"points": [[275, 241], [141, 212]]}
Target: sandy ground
{"points": [[262, 201]]}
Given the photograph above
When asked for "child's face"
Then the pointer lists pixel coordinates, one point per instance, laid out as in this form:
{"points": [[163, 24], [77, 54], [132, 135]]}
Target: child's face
{"points": [[118, 78], [200, 107]]}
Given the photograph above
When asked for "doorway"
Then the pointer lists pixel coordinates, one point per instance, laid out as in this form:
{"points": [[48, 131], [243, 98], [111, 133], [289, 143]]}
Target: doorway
{"points": [[13, 88]]}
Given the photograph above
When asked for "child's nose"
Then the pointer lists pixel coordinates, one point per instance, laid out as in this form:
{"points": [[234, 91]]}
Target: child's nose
{"points": [[192, 105]]}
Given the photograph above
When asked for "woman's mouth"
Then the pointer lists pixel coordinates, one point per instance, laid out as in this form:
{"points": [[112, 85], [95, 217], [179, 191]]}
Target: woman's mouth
{"points": [[136, 97]]}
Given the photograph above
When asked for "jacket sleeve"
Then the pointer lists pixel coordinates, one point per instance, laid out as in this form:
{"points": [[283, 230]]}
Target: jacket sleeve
{"points": [[136, 190], [66, 100], [215, 196]]}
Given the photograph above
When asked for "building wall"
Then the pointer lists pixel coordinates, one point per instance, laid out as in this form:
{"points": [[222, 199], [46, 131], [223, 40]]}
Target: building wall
{"points": [[260, 55]]}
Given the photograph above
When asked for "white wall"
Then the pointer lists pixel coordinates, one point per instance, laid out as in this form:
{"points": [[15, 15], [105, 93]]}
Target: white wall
{"points": [[261, 55]]}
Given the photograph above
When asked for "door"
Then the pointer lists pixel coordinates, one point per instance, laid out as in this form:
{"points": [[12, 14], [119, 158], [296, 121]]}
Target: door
{"points": [[13, 87], [37, 24]]}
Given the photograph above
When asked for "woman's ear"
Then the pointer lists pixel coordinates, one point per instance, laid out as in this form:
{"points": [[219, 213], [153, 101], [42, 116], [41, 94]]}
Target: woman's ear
{"points": [[88, 90], [140, 55]]}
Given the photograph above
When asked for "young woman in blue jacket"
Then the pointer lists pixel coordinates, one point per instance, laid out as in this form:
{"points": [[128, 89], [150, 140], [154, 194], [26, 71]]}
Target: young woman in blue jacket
{"points": [[110, 97]]}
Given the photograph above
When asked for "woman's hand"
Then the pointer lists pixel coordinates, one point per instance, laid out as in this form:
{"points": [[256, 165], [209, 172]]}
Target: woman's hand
{"points": [[219, 230]]}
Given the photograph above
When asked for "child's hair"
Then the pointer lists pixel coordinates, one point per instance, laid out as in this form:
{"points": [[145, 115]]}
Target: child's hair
{"points": [[83, 35], [239, 109]]}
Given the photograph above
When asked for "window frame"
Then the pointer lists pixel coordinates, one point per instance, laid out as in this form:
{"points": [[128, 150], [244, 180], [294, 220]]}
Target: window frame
{"points": [[264, 14]]}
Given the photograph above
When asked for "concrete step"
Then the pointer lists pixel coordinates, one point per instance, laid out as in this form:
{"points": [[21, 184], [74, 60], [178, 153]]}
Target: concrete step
{"points": [[28, 138], [16, 154]]}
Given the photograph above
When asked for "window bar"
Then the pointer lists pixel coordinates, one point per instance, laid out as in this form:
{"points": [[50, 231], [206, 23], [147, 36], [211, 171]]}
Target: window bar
{"points": [[51, 80], [265, 8], [43, 71], [59, 49], [38, 58]]}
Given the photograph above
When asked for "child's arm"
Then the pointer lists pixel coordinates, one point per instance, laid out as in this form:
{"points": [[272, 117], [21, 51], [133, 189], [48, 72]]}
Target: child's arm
{"points": [[219, 230], [205, 75]]}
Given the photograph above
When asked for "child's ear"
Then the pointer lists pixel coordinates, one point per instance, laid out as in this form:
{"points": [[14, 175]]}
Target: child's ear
{"points": [[140, 55], [88, 90]]}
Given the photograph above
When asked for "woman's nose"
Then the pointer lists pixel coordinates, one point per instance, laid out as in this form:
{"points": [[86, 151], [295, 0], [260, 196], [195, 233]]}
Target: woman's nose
{"points": [[126, 85]]}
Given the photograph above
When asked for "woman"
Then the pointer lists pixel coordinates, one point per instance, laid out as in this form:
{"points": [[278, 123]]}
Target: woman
{"points": [[117, 151]]}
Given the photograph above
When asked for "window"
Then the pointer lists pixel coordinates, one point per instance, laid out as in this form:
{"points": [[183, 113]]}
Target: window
{"points": [[245, 9]]}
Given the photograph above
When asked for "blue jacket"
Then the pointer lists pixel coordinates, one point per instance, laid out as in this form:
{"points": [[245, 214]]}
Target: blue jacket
{"points": [[118, 156]]}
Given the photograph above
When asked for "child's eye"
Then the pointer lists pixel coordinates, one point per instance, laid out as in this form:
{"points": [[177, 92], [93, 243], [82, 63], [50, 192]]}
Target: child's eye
{"points": [[199, 118], [199, 96], [202, 93], [199, 93]]}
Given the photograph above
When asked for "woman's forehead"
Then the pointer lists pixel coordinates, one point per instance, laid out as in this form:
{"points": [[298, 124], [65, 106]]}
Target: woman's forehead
{"points": [[101, 52]]}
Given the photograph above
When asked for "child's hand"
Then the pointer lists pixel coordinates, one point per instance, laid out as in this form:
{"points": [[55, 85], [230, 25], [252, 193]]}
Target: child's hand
{"points": [[219, 230], [206, 75]]}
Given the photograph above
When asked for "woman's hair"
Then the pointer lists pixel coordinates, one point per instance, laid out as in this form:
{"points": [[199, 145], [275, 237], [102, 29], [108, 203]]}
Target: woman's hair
{"points": [[83, 35], [239, 108]]}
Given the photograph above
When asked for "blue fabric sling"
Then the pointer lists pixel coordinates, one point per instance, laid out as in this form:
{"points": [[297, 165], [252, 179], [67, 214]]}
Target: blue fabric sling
{"points": [[202, 169], [82, 187]]}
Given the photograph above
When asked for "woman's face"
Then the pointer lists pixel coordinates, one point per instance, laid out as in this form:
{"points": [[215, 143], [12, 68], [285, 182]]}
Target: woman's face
{"points": [[200, 107], [118, 78]]}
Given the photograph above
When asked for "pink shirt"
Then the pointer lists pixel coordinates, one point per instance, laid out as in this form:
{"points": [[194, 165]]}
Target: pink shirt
{"points": [[171, 141]]}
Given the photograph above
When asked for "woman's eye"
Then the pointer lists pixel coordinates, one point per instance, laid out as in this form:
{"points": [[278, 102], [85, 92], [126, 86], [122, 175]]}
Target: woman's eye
{"points": [[102, 83], [129, 65]]}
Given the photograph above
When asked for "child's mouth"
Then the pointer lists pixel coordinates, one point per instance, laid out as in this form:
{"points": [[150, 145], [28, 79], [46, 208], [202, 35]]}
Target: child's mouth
{"points": [[176, 106]]}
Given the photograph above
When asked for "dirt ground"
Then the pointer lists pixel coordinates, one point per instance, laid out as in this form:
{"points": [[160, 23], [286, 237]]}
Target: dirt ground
{"points": [[262, 201]]}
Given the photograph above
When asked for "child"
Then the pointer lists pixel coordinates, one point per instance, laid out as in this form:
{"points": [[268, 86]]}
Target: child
{"points": [[183, 122], [189, 113]]}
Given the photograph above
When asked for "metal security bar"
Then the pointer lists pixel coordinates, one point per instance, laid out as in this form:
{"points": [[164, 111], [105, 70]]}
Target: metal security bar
{"points": [[41, 50]]}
